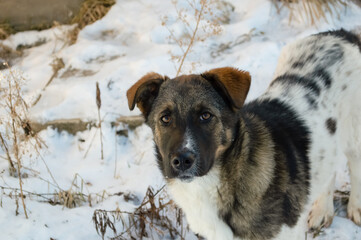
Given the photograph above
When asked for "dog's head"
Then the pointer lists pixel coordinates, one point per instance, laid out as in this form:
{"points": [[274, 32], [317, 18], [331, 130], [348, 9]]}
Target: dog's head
{"points": [[193, 117]]}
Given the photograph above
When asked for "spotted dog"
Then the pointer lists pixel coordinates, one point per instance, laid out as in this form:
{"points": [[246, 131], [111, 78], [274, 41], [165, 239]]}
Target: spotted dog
{"points": [[265, 169]]}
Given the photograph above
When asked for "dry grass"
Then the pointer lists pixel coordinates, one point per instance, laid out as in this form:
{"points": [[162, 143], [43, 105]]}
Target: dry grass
{"points": [[18, 140], [156, 217], [15, 129], [311, 11], [72, 197], [5, 30], [91, 11]]}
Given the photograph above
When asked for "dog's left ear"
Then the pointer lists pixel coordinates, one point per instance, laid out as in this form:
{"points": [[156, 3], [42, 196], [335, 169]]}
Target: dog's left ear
{"points": [[144, 92], [231, 83]]}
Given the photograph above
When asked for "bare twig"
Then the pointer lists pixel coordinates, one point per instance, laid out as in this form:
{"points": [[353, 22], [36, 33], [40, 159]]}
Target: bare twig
{"points": [[116, 154], [57, 64], [11, 165], [91, 143], [47, 167], [190, 45], [204, 22], [16, 150], [29, 193]]}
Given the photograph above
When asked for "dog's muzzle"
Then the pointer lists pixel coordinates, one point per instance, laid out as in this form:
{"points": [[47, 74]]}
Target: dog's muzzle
{"points": [[182, 163]]}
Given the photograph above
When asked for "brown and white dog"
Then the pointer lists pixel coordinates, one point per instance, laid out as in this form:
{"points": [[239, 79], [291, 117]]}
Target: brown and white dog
{"points": [[253, 171]]}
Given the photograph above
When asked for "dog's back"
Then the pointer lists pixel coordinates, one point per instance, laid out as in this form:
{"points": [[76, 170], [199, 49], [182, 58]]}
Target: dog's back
{"points": [[320, 78]]}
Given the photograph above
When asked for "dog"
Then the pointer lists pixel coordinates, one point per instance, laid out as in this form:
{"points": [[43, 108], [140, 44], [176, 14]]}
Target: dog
{"points": [[252, 171]]}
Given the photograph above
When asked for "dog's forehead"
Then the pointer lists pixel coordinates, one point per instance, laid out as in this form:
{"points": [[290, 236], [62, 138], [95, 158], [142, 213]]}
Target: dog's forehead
{"points": [[186, 81], [187, 85], [186, 91]]}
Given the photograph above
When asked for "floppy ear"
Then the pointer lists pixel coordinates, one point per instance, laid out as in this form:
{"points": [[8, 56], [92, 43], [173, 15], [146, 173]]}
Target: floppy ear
{"points": [[231, 83], [144, 92]]}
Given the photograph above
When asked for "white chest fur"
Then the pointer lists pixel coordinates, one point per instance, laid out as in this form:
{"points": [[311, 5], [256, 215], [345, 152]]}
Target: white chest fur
{"points": [[198, 199]]}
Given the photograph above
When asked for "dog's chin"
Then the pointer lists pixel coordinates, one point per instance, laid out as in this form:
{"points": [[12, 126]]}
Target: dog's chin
{"points": [[183, 177], [186, 178]]}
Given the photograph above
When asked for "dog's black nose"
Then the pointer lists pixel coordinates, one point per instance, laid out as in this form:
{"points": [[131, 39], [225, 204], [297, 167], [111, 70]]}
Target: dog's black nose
{"points": [[183, 161]]}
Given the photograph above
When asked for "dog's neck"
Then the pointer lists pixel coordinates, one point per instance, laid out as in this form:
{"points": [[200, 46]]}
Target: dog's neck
{"points": [[255, 152], [248, 189]]}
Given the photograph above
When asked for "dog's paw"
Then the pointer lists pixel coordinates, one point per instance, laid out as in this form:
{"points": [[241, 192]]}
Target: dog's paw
{"points": [[354, 212], [321, 215]]}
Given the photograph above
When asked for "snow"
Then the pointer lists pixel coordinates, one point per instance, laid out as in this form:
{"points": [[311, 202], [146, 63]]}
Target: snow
{"points": [[116, 51]]}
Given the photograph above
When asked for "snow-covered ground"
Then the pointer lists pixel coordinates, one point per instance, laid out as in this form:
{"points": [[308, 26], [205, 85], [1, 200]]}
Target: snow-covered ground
{"points": [[116, 51]]}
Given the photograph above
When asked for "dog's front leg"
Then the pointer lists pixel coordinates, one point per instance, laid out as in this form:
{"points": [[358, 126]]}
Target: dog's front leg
{"points": [[354, 204], [212, 229], [322, 212]]}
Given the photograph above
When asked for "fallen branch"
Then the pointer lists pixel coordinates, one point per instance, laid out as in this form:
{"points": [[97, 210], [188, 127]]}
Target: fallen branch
{"points": [[74, 125], [71, 126]]}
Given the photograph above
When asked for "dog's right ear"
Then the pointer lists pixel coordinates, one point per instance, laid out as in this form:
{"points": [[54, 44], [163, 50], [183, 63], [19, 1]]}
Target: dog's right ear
{"points": [[144, 92], [231, 83]]}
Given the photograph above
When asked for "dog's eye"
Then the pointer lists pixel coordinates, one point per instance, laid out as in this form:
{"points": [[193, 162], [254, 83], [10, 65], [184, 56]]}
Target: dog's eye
{"points": [[166, 119], [205, 116]]}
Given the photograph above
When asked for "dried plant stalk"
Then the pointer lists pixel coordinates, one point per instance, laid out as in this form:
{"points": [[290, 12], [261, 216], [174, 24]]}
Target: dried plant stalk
{"points": [[57, 65], [99, 104], [12, 169], [18, 161]]}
